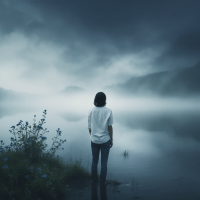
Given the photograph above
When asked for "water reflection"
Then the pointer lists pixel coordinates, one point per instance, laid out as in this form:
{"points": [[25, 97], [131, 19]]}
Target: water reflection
{"points": [[94, 192], [160, 138]]}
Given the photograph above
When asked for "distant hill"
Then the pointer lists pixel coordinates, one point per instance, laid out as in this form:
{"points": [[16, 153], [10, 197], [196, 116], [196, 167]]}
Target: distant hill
{"points": [[72, 90], [9, 94], [169, 83]]}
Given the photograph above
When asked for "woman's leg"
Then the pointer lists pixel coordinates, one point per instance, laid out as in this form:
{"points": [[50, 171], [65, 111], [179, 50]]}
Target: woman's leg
{"points": [[95, 160], [105, 148]]}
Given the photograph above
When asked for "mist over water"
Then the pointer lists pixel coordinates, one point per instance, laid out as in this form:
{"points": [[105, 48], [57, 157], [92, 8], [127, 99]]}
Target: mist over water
{"points": [[160, 134]]}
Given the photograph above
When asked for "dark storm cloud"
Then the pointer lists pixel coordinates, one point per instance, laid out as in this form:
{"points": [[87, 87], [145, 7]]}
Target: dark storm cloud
{"points": [[110, 28]]}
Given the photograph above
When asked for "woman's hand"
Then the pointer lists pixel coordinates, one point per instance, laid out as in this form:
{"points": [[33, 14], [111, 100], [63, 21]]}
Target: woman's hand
{"points": [[111, 143]]}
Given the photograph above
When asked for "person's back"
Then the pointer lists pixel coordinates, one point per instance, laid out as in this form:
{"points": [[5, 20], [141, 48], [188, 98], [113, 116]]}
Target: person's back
{"points": [[100, 120]]}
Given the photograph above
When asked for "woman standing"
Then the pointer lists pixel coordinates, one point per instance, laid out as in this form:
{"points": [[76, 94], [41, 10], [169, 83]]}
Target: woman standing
{"points": [[100, 120]]}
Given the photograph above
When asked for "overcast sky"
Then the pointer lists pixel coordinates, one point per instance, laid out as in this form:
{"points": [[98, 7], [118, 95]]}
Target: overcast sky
{"points": [[47, 45]]}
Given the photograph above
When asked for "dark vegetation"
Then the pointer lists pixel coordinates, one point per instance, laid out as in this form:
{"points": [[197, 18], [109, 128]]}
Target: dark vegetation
{"points": [[29, 171]]}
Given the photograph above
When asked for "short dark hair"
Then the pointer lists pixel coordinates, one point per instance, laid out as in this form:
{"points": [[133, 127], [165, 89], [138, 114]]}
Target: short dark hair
{"points": [[100, 99]]}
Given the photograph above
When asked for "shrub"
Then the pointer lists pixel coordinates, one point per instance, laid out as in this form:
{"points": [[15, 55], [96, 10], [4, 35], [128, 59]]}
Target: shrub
{"points": [[27, 171]]}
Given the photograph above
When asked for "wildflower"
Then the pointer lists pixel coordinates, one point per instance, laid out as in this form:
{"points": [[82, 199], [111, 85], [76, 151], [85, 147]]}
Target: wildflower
{"points": [[5, 167], [44, 165], [60, 132], [44, 176], [21, 121], [40, 127], [11, 144], [39, 170], [12, 126], [6, 147], [10, 131], [26, 123], [12, 138], [64, 140], [58, 129], [60, 140], [51, 183], [5, 159], [26, 176], [42, 119], [66, 185], [43, 137]]}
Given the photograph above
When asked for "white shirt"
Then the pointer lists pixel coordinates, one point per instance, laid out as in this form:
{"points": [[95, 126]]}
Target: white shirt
{"points": [[99, 118]]}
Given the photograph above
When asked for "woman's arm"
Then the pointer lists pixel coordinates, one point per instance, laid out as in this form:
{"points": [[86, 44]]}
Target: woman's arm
{"points": [[110, 130]]}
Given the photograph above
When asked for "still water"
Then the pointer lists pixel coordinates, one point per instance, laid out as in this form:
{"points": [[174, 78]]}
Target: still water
{"points": [[162, 137]]}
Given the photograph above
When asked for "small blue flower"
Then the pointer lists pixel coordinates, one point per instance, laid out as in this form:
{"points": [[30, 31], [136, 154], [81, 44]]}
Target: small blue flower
{"points": [[40, 127], [65, 170], [31, 168], [60, 140], [44, 165], [60, 132], [66, 185], [11, 144], [10, 131], [26, 176], [58, 129], [5, 167], [43, 137], [39, 170], [51, 183], [65, 140], [42, 119], [12, 126], [26, 123], [5, 159], [12, 138], [21, 121], [44, 176]]}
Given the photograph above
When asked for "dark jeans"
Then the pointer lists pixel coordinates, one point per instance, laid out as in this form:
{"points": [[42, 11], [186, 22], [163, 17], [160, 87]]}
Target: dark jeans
{"points": [[105, 148]]}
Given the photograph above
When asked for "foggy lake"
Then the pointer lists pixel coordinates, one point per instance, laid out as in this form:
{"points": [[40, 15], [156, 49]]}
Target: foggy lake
{"points": [[161, 136]]}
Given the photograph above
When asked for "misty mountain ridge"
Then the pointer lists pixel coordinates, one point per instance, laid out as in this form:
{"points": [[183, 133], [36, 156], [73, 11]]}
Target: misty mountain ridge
{"points": [[181, 82], [13, 95], [71, 90]]}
